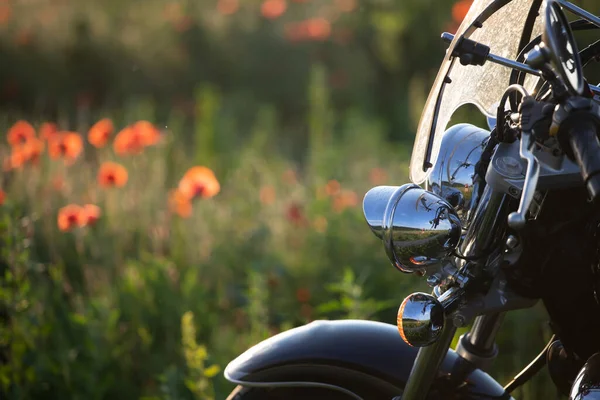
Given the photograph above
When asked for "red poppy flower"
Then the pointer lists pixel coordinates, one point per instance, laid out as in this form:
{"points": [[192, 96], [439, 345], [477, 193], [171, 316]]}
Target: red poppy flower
{"points": [[272, 9], [133, 139], [90, 214], [147, 132], [16, 159], [332, 188], [295, 214], [318, 28], [460, 9], [32, 150], [267, 195], [5, 12], [345, 199], [70, 217], [20, 133], [100, 133], [66, 145], [112, 174], [2, 197], [127, 142], [311, 29], [199, 182]]}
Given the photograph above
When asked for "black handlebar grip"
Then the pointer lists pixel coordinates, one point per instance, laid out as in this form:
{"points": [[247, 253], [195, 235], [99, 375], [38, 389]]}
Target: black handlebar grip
{"points": [[583, 136]]}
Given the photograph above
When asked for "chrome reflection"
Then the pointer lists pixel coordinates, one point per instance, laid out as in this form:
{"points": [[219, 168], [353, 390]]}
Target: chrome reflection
{"points": [[452, 174], [418, 228], [587, 384], [420, 319]]}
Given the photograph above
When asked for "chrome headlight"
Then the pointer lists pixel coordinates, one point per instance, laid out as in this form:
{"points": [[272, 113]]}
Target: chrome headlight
{"points": [[452, 174], [419, 229]]}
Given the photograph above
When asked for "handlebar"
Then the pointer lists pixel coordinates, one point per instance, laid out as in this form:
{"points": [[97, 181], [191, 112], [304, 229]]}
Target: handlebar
{"points": [[583, 137]]}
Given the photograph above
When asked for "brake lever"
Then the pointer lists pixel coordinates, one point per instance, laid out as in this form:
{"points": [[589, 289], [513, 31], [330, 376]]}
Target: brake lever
{"points": [[516, 220]]}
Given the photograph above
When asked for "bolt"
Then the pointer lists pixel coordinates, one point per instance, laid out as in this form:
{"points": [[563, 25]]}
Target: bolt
{"points": [[433, 280], [459, 321], [513, 191], [512, 242]]}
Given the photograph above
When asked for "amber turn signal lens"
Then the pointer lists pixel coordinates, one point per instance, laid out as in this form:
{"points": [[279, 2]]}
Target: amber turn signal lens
{"points": [[399, 321], [420, 319]]}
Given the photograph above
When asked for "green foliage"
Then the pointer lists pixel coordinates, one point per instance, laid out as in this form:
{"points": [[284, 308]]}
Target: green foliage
{"points": [[208, 105], [351, 303], [198, 374]]}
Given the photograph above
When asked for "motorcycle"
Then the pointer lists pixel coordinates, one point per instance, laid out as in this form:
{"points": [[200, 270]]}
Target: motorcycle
{"points": [[497, 218]]}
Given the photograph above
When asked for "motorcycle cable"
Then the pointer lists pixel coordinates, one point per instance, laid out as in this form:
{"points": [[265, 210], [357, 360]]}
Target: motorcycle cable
{"points": [[530, 370], [484, 161], [497, 135], [480, 169], [501, 112]]}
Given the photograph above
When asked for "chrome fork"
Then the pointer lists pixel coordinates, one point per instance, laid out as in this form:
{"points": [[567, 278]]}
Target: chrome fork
{"points": [[427, 363], [488, 222]]}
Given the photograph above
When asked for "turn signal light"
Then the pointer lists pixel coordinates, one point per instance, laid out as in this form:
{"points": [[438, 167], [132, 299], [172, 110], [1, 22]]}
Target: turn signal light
{"points": [[420, 319]]}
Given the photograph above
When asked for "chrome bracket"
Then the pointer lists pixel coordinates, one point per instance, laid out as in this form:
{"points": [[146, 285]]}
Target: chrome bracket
{"points": [[499, 298]]}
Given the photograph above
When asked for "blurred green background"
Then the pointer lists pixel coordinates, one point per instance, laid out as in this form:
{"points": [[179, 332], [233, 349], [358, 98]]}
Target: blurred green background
{"points": [[298, 106]]}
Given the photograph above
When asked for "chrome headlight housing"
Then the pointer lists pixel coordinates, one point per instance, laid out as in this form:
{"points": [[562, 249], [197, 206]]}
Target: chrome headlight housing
{"points": [[452, 175], [419, 229]]}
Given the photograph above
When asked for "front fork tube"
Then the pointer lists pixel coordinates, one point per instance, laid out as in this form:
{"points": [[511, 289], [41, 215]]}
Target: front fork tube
{"points": [[487, 224], [426, 365], [481, 340]]}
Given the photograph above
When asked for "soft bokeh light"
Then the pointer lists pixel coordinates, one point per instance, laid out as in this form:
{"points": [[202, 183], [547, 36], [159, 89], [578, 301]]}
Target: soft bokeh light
{"points": [[272, 9]]}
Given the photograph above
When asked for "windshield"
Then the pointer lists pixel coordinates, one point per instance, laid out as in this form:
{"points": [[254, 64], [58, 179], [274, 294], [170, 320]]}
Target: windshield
{"points": [[482, 86]]}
